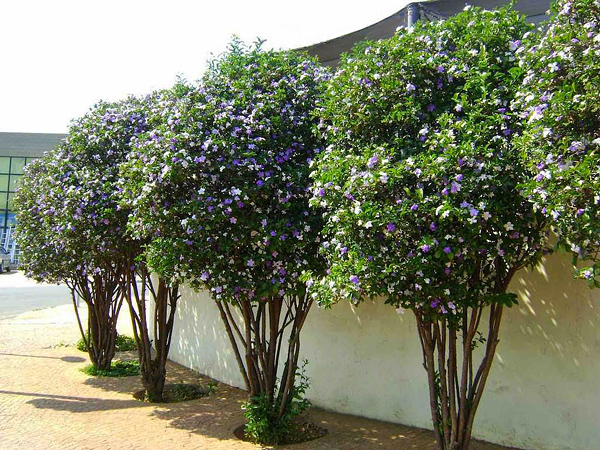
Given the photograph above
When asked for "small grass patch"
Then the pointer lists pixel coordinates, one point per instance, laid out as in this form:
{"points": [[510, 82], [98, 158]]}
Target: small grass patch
{"points": [[123, 344], [117, 369]]}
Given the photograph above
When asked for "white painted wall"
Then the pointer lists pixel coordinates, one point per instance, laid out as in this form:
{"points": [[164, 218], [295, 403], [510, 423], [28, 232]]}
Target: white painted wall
{"points": [[543, 391]]}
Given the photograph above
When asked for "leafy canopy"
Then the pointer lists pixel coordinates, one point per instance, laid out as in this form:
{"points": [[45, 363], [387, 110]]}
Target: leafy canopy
{"points": [[561, 143], [419, 184], [67, 204], [221, 183]]}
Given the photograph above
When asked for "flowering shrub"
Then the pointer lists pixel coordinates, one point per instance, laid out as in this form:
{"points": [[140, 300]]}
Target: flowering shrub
{"points": [[221, 187], [420, 189], [562, 140], [70, 228]]}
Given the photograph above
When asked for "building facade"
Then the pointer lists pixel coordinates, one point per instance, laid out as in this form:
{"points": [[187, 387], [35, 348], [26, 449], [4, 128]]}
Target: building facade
{"points": [[16, 151]]}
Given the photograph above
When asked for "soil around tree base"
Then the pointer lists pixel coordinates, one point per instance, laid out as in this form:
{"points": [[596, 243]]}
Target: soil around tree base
{"points": [[301, 432], [175, 393]]}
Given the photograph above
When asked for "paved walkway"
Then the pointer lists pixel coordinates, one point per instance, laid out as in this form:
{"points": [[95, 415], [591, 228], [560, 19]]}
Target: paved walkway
{"points": [[47, 403]]}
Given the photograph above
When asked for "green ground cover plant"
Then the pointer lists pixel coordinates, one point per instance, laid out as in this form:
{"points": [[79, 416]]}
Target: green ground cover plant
{"points": [[117, 369]]}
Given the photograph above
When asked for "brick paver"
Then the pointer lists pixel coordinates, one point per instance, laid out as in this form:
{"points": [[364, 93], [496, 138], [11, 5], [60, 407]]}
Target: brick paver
{"points": [[47, 403]]}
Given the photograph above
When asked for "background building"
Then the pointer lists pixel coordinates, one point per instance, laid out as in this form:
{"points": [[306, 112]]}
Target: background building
{"points": [[329, 51], [16, 150]]}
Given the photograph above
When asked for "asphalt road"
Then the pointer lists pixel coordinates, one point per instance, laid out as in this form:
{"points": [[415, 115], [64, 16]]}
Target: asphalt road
{"points": [[19, 294]]}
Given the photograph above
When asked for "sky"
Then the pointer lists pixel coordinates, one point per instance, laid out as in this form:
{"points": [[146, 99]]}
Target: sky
{"points": [[58, 58]]}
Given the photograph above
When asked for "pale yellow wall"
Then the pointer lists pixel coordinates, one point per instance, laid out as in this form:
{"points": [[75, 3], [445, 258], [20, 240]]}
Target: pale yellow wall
{"points": [[543, 392]]}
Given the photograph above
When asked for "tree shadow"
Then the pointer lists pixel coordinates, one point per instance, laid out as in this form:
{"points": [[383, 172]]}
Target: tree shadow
{"points": [[219, 414], [70, 359], [74, 404]]}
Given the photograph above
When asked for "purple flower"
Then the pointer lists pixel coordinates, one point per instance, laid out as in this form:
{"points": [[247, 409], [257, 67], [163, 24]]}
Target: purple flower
{"points": [[321, 192], [343, 250], [259, 183], [354, 279], [425, 248], [233, 220], [447, 250], [372, 162], [391, 227], [414, 207], [580, 212], [250, 262], [432, 226]]}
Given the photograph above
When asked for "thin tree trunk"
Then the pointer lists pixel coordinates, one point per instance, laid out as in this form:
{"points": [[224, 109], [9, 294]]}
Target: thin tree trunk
{"points": [[153, 367], [103, 298], [454, 404], [261, 333]]}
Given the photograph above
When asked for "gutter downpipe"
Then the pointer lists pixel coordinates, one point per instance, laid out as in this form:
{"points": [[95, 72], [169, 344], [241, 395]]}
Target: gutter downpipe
{"points": [[413, 14]]}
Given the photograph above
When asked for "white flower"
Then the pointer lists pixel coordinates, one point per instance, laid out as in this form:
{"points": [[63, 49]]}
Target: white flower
{"points": [[509, 226], [369, 224], [486, 215]]}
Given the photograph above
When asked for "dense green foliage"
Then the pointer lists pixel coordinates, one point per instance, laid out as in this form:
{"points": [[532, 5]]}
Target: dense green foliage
{"points": [[262, 422], [123, 343], [228, 165], [562, 139], [419, 182], [66, 205], [117, 369]]}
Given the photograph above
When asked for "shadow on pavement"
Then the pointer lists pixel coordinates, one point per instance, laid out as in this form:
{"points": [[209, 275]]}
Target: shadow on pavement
{"points": [[74, 404], [219, 414], [71, 359]]}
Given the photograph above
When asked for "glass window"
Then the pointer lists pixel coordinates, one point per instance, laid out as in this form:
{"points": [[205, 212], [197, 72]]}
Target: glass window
{"points": [[14, 180], [3, 182], [3, 201], [17, 165], [12, 219], [4, 164], [10, 200], [2, 217]]}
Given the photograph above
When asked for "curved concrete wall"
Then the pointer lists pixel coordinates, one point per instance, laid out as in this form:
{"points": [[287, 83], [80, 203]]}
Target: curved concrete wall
{"points": [[543, 389]]}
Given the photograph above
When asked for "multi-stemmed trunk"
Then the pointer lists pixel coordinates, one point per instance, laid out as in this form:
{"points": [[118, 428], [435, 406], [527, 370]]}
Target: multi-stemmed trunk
{"points": [[103, 297], [455, 385], [257, 340], [455, 390], [153, 361]]}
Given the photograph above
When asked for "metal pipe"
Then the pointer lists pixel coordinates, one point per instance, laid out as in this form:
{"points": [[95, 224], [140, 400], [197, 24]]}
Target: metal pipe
{"points": [[412, 14]]}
